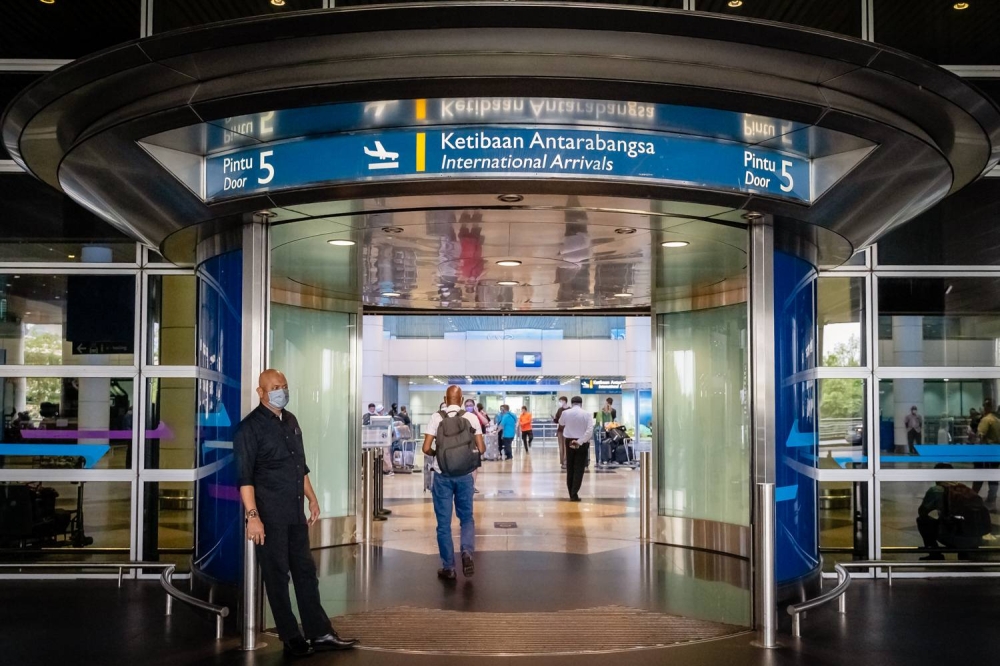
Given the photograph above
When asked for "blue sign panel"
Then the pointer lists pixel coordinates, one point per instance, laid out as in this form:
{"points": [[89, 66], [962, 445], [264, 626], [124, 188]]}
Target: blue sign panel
{"points": [[501, 151], [528, 360], [590, 386]]}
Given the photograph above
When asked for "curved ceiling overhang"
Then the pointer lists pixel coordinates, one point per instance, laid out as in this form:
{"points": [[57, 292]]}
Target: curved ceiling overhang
{"points": [[79, 128]]}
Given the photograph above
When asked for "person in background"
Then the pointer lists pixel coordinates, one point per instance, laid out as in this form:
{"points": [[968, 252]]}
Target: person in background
{"points": [[559, 431], [608, 413], [507, 424], [470, 408], [457, 491], [989, 433], [367, 418], [484, 418], [403, 416], [578, 429], [914, 424], [393, 410], [379, 410], [273, 480], [960, 522], [524, 423]]}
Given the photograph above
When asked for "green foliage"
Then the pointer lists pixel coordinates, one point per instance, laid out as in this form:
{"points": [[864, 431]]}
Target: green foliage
{"points": [[42, 348], [842, 398]]}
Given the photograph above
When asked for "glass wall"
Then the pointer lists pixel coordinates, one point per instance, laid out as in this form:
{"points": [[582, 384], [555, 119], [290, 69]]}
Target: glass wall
{"points": [[705, 449], [505, 327], [314, 349]]}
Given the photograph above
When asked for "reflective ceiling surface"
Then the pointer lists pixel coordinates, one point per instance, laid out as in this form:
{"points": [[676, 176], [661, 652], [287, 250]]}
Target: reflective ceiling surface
{"points": [[571, 254]]}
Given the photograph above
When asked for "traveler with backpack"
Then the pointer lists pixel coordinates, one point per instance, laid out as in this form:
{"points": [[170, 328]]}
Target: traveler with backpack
{"points": [[454, 439], [962, 518]]}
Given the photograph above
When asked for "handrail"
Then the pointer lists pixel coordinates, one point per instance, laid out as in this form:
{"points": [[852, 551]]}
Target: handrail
{"points": [[844, 581], [120, 566], [166, 583]]}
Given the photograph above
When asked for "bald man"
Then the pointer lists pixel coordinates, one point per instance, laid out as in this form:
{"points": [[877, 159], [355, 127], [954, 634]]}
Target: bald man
{"points": [[456, 425], [274, 484]]}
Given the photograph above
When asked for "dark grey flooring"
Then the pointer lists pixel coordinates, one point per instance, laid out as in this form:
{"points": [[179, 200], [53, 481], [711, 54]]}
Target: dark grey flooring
{"points": [[913, 623]]}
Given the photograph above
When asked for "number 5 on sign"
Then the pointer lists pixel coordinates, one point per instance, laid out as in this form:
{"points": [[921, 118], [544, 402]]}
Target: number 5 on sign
{"points": [[264, 166], [785, 164]]}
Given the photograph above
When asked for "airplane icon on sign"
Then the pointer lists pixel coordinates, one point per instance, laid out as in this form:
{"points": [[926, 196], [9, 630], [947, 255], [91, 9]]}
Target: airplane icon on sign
{"points": [[383, 154]]}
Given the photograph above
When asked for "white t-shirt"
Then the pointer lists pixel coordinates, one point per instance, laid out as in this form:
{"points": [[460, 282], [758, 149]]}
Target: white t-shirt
{"points": [[577, 424], [435, 423]]}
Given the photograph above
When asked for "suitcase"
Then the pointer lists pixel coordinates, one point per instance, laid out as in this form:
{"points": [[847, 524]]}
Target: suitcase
{"points": [[492, 441]]}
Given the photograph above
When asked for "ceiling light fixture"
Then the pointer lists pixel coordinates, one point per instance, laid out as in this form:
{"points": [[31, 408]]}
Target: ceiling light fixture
{"points": [[509, 263], [278, 3], [508, 283], [624, 294], [673, 244], [390, 294], [392, 230], [511, 198], [961, 5], [71, 256], [735, 3], [340, 242], [624, 231], [48, 2]]}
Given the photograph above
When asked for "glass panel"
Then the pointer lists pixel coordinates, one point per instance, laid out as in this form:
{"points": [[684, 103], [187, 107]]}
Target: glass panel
{"points": [[843, 522], [843, 16], [33, 29], [705, 452], [840, 304], [940, 32], [503, 327], [959, 231], [857, 259], [170, 426], [57, 423], [168, 523], [313, 349], [65, 520], [172, 309], [946, 321], [923, 422], [12, 83], [842, 430], [67, 319], [919, 521], [174, 14]]}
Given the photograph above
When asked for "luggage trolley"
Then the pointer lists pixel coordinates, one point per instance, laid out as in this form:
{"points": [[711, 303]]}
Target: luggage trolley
{"points": [[404, 448]]}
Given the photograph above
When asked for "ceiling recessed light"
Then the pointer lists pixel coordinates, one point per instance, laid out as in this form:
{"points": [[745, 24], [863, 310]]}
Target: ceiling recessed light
{"points": [[278, 3], [508, 283], [511, 198], [961, 5], [624, 231], [390, 294], [341, 242], [48, 2], [392, 230], [674, 244], [509, 263], [623, 294], [735, 3], [71, 256]]}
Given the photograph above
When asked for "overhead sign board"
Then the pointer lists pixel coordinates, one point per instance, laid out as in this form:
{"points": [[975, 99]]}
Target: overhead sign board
{"points": [[528, 360], [591, 386], [492, 151]]}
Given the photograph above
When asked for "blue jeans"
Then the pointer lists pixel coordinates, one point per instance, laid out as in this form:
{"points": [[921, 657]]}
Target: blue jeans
{"points": [[506, 447], [457, 490]]}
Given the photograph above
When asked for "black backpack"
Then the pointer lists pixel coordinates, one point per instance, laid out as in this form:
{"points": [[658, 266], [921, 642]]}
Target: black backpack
{"points": [[457, 453], [966, 515]]}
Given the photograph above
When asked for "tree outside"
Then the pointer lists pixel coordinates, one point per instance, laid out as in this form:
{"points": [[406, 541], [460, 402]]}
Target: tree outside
{"points": [[842, 398]]}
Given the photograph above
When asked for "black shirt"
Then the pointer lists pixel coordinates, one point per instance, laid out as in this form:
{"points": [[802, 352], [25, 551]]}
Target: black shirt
{"points": [[271, 458]]}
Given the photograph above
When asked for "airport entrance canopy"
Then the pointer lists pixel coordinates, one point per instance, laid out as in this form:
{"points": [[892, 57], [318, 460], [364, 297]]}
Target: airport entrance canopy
{"points": [[181, 136]]}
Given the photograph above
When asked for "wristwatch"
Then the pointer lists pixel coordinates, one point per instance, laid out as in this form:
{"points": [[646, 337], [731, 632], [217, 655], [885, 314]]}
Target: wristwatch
{"points": [[252, 513]]}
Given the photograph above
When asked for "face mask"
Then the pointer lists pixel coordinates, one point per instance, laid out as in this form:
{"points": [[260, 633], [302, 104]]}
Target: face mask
{"points": [[470, 408], [562, 403], [278, 398]]}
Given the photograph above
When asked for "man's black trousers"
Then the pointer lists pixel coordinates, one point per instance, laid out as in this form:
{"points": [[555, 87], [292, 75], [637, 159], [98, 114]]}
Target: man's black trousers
{"points": [[286, 550], [576, 465]]}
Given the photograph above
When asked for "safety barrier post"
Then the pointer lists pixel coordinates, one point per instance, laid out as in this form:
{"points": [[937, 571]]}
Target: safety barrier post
{"points": [[252, 600], [645, 487], [764, 573], [368, 494]]}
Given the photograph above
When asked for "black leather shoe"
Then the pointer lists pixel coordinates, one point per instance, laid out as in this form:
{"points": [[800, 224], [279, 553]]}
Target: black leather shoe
{"points": [[298, 647], [446, 574], [574, 498], [332, 642]]}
